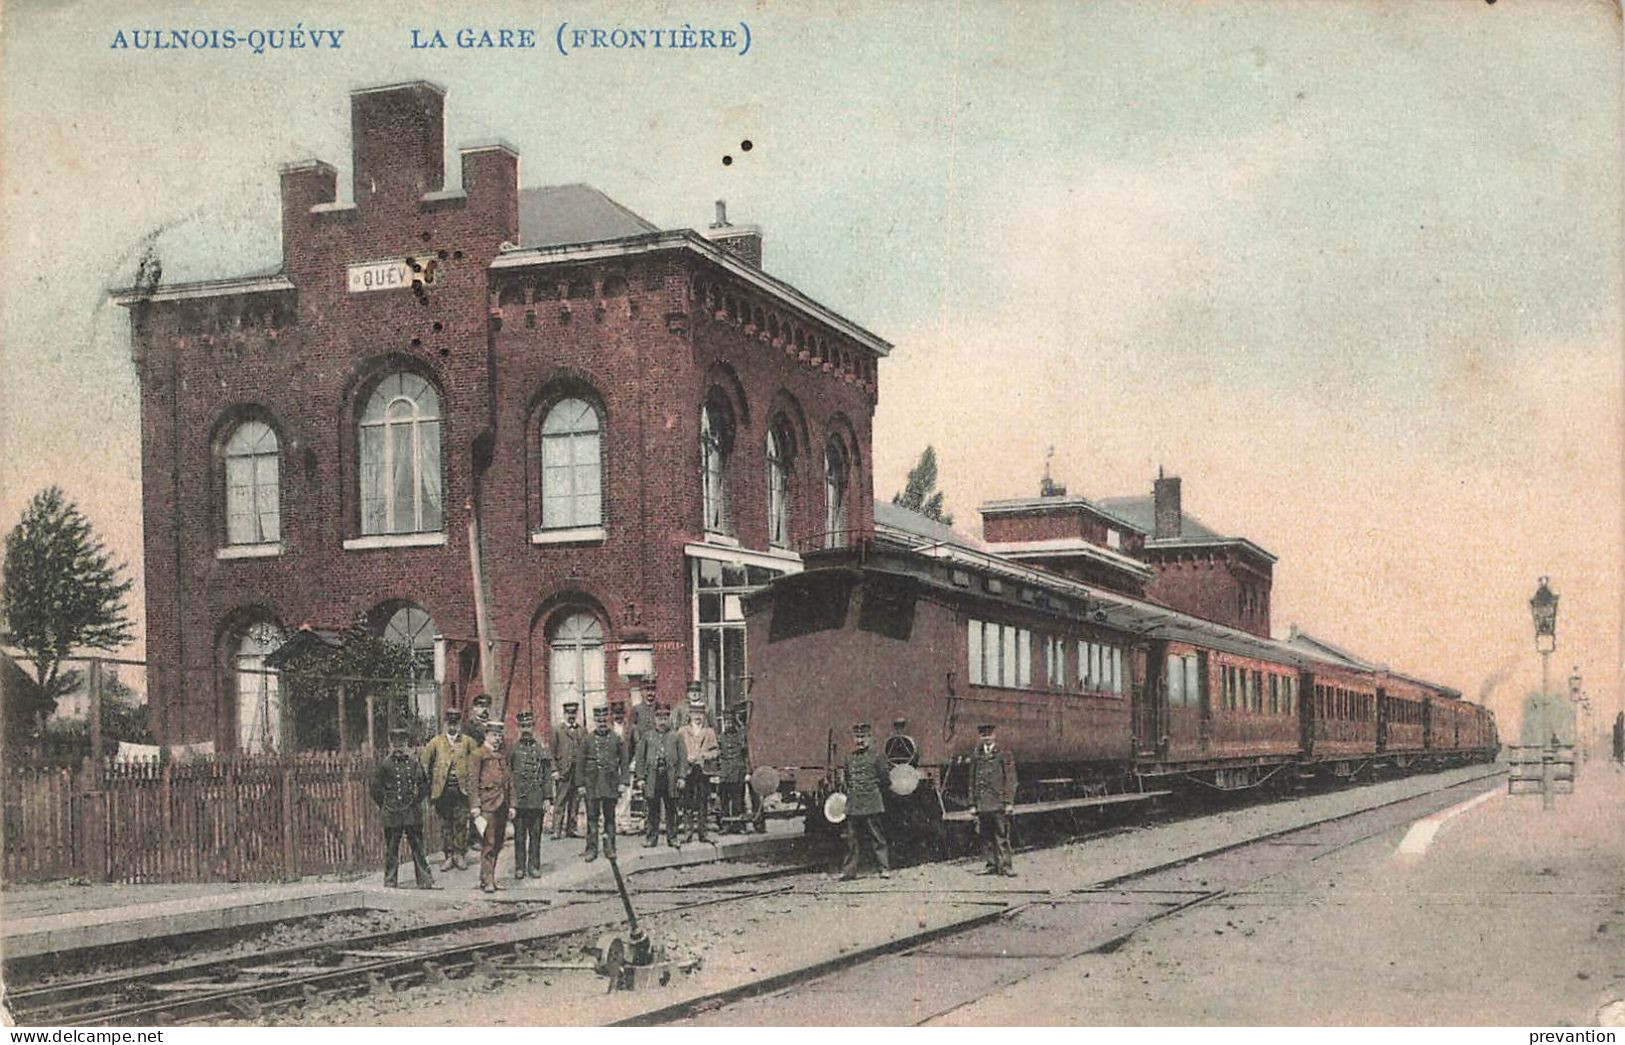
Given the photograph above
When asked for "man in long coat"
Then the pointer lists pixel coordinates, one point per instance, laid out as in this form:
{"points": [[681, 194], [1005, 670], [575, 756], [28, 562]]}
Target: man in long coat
{"points": [[733, 762], [399, 787], [601, 768], [567, 742], [491, 800], [662, 765], [532, 767], [993, 798], [864, 780], [446, 759], [700, 748]]}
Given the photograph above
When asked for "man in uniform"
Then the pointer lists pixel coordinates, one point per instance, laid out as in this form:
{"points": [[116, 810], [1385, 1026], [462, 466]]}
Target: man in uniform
{"points": [[733, 766], [446, 760], [479, 718], [700, 749], [601, 769], [864, 780], [532, 777], [567, 742], [662, 763], [993, 798], [490, 801], [398, 788]]}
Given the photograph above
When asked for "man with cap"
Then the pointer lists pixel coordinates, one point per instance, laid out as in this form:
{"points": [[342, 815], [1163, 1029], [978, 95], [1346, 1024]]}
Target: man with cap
{"points": [[864, 780], [479, 718], [567, 743], [532, 768], [733, 766], [993, 797], [662, 764], [399, 787], [445, 758], [700, 749], [601, 767], [490, 801]]}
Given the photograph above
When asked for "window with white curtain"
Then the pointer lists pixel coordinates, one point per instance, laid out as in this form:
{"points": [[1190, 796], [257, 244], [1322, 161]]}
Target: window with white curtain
{"points": [[778, 486], [575, 664], [400, 458], [259, 696], [572, 466], [413, 628], [716, 440], [253, 481], [837, 478]]}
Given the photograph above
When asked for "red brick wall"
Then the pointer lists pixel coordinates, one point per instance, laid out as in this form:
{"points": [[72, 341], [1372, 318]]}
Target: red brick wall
{"points": [[1047, 524], [649, 354], [1209, 585]]}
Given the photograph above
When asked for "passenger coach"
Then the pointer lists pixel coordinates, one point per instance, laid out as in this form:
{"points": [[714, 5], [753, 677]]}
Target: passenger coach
{"points": [[1106, 698]]}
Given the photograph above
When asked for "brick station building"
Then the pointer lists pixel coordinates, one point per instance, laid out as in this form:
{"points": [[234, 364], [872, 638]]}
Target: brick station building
{"points": [[1147, 547], [640, 425]]}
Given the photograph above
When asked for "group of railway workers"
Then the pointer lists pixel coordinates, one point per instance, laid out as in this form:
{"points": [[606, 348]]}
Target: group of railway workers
{"points": [[467, 776], [868, 774]]}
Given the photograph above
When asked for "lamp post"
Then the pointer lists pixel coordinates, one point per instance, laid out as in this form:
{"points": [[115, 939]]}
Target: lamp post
{"points": [[1577, 704], [1543, 608]]}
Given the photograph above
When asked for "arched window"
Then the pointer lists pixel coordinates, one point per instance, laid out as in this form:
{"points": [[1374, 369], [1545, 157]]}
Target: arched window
{"points": [[411, 627], [253, 474], [400, 457], [778, 486], [716, 441], [575, 666], [572, 466], [259, 697], [837, 478]]}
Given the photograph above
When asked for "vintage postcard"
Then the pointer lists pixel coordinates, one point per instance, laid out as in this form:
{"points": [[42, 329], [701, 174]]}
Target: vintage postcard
{"points": [[801, 514]]}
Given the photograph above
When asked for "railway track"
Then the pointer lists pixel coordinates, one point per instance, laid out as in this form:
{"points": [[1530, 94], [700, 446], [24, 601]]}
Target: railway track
{"points": [[253, 987], [259, 986], [940, 970]]}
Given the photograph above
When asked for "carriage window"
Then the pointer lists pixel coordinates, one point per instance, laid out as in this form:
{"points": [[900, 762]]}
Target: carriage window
{"points": [[1000, 655], [1055, 661]]}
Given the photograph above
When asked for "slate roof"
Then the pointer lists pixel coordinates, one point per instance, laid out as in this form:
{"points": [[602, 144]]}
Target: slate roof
{"points": [[889, 516], [1142, 513], [558, 215]]}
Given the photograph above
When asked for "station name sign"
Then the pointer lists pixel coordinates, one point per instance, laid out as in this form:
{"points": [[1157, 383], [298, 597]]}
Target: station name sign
{"points": [[387, 275]]}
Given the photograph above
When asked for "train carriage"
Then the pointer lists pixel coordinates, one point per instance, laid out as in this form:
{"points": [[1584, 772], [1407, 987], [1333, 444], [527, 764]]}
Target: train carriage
{"points": [[1104, 696]]}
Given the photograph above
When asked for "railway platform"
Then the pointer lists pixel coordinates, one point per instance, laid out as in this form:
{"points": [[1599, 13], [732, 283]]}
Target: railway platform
{"points": [[1489, 912], [56, 918]]}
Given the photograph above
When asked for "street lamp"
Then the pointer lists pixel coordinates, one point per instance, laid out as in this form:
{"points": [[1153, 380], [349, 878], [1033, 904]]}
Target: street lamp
{"points": [[1543, 608]]}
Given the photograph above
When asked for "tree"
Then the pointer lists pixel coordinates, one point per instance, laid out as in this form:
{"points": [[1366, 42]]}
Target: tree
{"points": [[360, 660], [62, 593], [920, 493]]}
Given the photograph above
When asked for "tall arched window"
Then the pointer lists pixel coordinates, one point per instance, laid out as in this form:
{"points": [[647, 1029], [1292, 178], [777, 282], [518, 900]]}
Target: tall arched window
{"points": [[575, 666], [400, 457], [412, 627], [253, 475], [259, 697], [572, 466], [837, 478], [716, 441], [778, 486]]}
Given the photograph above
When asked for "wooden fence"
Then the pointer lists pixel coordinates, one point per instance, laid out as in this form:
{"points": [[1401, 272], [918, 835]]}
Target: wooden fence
{"points": [[225, 819]]}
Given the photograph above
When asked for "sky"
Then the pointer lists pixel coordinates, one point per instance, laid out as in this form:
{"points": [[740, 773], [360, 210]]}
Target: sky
{"points": [[1351, 269]]}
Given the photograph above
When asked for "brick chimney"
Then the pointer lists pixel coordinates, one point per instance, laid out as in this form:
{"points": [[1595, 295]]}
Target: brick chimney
{"points": [[742, 241], [1165, 502], [398, 133]]}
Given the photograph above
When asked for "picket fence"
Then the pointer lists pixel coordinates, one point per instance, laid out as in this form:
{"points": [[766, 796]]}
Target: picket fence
{"points": [[232, 818]]}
